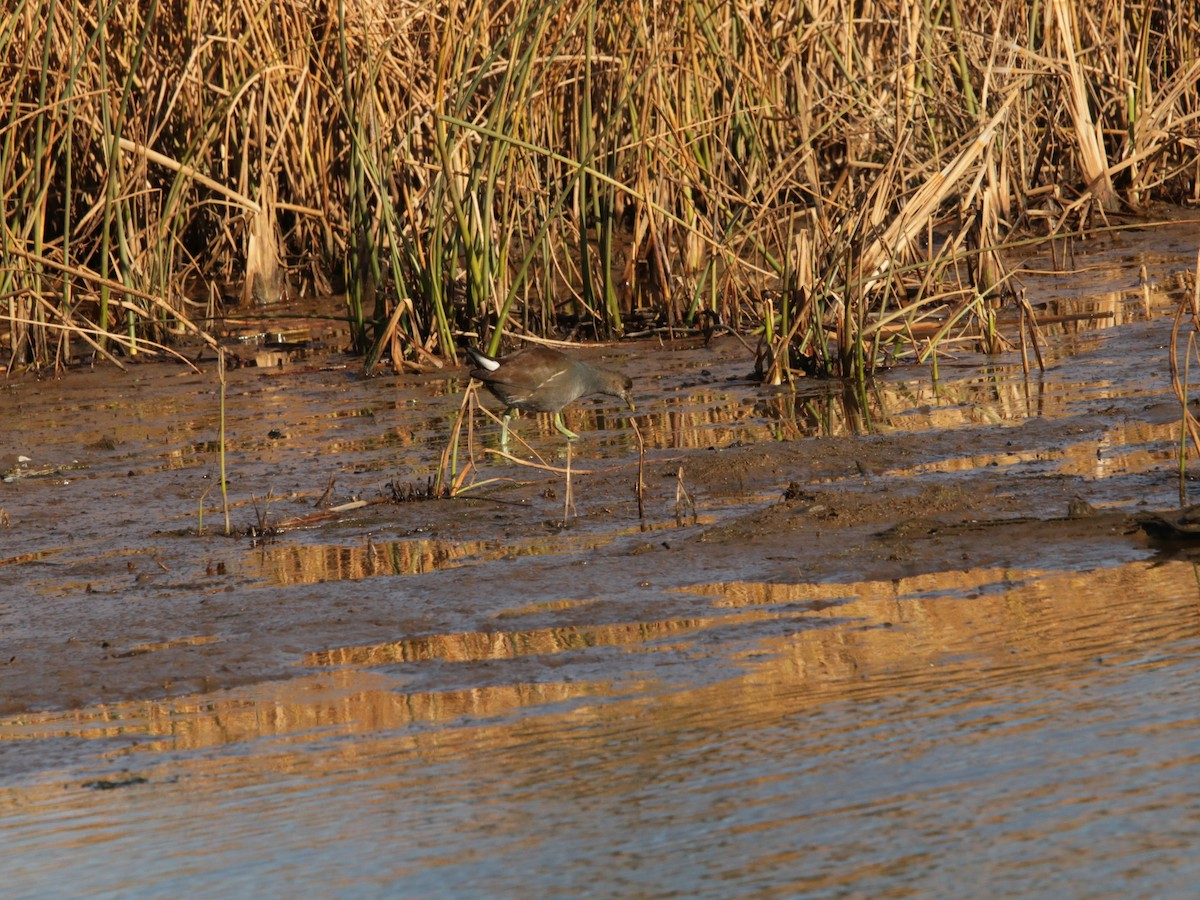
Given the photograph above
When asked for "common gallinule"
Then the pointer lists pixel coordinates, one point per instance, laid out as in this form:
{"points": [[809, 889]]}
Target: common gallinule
{"points": [[538, 379]]}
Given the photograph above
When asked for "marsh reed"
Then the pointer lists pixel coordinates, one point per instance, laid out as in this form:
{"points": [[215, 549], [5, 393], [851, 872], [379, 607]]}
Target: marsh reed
{"points": [[841, 179]]}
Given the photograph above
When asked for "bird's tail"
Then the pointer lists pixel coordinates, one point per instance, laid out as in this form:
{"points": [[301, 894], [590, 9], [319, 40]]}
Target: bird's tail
{"points": [[482, 360]]}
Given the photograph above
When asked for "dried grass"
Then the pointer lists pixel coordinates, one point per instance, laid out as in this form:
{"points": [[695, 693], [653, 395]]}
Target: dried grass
{"points": [[588, 168]]}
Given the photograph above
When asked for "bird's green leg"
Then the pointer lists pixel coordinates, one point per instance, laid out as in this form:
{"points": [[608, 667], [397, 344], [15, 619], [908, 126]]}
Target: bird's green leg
{"points": [[563, 429], [504, 430]]}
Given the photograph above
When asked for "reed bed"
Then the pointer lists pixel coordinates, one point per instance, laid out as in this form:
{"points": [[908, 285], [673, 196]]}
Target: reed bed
{"points": [[841, 179]]}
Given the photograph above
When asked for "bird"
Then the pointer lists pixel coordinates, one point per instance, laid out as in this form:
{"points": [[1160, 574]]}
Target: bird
{"points": [[539, 379]]}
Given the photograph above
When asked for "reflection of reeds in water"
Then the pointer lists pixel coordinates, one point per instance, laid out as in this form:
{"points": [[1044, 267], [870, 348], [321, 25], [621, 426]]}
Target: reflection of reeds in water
{"points": [[477, 646], [348, 701], [948, 627], [313, 564], [703, 418], [700, 418], [952, 635], [1081, 302], [1123, 448], [1126, 449]]}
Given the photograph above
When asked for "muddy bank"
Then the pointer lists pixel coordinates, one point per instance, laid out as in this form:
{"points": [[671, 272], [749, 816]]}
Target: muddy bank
{"points": [[114, 584], [879, 644], [110, 594]]}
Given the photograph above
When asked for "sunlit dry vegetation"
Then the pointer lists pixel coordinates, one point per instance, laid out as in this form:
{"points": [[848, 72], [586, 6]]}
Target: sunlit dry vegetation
{"points": [[840, 180]]}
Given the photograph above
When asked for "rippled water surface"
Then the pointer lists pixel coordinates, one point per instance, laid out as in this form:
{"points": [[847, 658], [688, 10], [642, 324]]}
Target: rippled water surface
{"points": [[426, 699], [1027, 732]]}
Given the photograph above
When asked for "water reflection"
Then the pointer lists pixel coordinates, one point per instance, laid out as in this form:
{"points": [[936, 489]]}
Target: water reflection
{"points": [[858, 636], [994, 395], [1021, 731], [1124, 449], [747, 413], [285, 564], [341, 702], [1107, 289], [1034, 734], [492, 645]]}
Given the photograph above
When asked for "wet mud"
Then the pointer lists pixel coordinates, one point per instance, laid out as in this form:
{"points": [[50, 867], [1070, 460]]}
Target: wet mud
{"points": [[795, 544], [118, 583]]}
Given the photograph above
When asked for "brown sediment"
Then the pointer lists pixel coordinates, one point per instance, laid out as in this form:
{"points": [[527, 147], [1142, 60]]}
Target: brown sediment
{"points": [[109, 592]]}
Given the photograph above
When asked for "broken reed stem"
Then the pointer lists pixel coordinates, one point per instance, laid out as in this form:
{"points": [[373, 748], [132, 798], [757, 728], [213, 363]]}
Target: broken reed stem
{"points": [[448, 465], [1189, 426], [326, 515], [1024, 348], [324, 498], [640, 490], [683, 500], [1190, 422], [264, 514], [449, 480], [568, 500], [1029, 320], [200, 519], [221, 440]]}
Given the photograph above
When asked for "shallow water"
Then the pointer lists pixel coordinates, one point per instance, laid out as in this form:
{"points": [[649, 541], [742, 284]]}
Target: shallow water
{"points": [[1020, 734], [434, 698]]}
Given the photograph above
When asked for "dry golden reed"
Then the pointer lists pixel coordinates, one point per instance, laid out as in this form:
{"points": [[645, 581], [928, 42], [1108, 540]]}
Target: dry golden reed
{"points": [[850, 170]]}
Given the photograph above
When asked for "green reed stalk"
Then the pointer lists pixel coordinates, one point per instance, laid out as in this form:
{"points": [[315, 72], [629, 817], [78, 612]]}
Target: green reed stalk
{"points": [[431, 273], [110, 135], [10, 165], [597, 198], [964, 72], [68, 144], [361, 264], [37, 196], [1183, 421]]}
